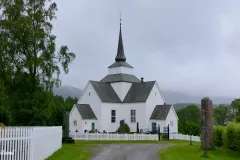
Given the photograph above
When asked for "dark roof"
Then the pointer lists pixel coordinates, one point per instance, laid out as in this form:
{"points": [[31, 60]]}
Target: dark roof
{"points": [[105, 92], [119, 64], [120, 52], [160, 112], [86, 111], [139, 92], [120, 78]]}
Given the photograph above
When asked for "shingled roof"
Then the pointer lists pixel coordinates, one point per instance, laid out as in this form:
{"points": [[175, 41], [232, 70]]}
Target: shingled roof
{"points": [[139, 92], [160, 112], [120, 78], [86, 111], [105, 92]]}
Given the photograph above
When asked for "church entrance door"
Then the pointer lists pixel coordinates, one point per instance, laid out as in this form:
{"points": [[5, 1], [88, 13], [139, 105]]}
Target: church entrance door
{"points": [[154, 126], [93, 126]]}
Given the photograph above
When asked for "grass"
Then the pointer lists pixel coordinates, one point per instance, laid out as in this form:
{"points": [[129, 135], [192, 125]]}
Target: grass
{"points": [[193, 152], [77, 151]]}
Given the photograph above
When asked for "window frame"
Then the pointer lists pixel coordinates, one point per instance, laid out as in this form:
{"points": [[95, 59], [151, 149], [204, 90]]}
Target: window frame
{"points": [[74, 124], [113, 116], [133, 115]]}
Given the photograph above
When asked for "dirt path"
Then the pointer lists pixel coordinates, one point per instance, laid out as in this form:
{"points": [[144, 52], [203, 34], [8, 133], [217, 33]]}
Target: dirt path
{"points": [[129, 152]]}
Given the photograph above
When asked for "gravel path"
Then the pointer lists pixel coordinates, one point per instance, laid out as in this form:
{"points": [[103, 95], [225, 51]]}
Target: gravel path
{"points": [[129, 152]]}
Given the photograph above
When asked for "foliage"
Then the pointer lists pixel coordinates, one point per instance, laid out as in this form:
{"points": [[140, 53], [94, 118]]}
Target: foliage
{"points": [[223, 113], [231, 136], [30, 64], [236, 105], [189, 120], [126, 128], [194, 152], [92, 131], [2, 125], [218, 135]]}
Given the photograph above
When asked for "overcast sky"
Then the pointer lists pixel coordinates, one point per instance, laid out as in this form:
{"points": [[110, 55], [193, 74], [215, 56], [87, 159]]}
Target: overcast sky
{"points": [[186, 45]]}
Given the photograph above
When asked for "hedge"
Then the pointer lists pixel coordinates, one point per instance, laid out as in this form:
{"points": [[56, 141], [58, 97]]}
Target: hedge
{"points": [[228, 137], [218, 135], [231, 136]]}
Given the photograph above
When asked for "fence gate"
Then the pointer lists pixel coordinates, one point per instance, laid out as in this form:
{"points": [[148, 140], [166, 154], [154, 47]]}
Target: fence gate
{"points": [[166, 131]]}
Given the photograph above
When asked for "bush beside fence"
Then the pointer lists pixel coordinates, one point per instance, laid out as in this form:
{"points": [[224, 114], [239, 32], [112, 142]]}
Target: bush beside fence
{"points": [[218, 135], [228, 137]]}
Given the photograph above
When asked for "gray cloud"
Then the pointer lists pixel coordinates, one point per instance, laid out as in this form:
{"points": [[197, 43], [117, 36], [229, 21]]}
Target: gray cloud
{"points": [[188, 46]]}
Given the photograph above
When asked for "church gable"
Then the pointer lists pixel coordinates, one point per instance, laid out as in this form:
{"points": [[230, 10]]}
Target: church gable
{"points": [[105, 92], [121, 88], [139, 92]]}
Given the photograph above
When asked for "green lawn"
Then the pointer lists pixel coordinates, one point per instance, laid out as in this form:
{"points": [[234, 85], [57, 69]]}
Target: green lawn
{"points": [[77, 151], [193, 152]]}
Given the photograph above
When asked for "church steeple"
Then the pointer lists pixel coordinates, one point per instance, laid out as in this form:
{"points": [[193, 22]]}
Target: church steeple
{"points": [[120, 52]]}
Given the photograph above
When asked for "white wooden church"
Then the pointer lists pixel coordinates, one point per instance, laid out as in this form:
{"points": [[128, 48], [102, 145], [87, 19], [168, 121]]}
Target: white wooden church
{"points": [[121, 96]]}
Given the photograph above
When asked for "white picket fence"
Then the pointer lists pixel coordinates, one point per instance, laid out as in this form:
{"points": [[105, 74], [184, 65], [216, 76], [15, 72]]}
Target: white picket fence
{"points": [[184, 137], [126, 137], [29, 143], [113, 136]]}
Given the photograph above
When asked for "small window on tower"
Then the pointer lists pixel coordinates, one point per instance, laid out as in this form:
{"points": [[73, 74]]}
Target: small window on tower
{"points": [[75, 123], [89, 93], [171, 123], [155, 93]]}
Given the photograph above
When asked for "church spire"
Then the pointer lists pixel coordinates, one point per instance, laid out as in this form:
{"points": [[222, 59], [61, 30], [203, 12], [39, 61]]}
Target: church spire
{"points": [[120, 52]]}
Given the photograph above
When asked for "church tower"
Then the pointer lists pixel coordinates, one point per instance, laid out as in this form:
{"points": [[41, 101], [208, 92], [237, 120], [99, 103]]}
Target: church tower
{"points": [[120, 65], [120, 73]]}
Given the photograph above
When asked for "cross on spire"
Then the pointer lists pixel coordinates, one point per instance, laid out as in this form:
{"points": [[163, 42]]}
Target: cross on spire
{"points": [[120, 52]]}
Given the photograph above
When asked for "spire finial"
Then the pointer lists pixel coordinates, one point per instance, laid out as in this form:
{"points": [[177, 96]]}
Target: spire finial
{"points": [[120, 18], [120, 52]]}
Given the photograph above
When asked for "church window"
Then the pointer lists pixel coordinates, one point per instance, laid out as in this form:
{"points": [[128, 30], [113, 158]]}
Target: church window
{"points": [[171, 123], [133, 116], [89, 93], [75, 123], [155, 93], [113, 116]]}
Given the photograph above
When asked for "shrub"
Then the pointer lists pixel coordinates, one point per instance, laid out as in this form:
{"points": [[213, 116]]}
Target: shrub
{"points": [[126, 128], [92, 131], [165, 136], [231, 136], [218, 135]]}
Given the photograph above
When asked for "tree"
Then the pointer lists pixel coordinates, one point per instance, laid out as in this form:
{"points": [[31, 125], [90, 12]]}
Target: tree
{"points": [[29, 63], [189, 113], [189, 120], [236, 105], [70, 102], [223, 113]]}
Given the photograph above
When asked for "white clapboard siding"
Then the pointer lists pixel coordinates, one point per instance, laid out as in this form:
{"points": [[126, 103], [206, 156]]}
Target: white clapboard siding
{"points": [[29, 143]]}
